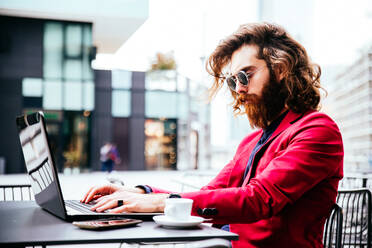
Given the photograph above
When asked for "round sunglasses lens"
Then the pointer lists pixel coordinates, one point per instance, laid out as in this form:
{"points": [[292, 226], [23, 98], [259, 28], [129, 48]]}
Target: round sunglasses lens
{"points": [[231, 83], [242, 77]]}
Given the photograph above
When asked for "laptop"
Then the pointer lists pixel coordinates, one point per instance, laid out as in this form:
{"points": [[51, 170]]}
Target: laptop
{"points": [[42, 171]]}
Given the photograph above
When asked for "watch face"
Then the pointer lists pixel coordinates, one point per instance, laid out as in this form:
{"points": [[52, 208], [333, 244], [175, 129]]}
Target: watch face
{"points": [[174, 196]]}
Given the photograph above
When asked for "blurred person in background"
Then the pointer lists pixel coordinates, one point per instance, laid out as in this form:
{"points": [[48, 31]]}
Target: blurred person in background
{"points": [[280, 186], [109, 156]]}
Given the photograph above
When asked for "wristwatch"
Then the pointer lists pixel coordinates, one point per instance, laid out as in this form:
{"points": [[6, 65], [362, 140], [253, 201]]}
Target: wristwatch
{"points": [[174, 196]]}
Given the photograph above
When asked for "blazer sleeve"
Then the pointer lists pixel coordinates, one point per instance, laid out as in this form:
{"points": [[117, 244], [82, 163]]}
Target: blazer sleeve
{"points": [[314, 153]]}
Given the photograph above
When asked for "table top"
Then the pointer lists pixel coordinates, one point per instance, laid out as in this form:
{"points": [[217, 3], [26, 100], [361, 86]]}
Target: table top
{"points": [[25, 223]]}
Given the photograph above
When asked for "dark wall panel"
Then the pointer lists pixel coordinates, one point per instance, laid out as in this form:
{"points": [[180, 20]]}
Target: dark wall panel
{"points": [[138, 80], [21, 52], [101, 119], [121, 139], [22, 47], [137, 122], [10, 107], [137, 143]]}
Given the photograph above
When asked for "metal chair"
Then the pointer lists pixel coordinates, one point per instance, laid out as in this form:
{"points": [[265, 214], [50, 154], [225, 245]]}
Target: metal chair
{"points": [[333, 228], [17, 192], [356, 205]]}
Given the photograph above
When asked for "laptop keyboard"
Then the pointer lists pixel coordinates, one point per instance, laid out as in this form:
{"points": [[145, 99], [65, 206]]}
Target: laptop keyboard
{"points": [[80, 207]]}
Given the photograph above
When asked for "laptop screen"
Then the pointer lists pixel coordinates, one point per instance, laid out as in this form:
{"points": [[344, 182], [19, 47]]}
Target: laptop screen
{"points": [[40, 163]]}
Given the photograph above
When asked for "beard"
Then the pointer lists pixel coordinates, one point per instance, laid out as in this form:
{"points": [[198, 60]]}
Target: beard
{"points": [[261, 111]]}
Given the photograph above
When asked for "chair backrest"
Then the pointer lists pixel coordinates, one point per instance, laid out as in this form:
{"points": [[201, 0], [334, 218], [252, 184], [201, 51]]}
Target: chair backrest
{"points": [[17, 192], [356, 205], [333, 228]]}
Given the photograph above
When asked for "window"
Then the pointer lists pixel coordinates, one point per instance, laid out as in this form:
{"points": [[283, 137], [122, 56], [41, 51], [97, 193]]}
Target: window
{"points": [[159, 104], [73, 96], [88, 91], [121, 79], [53, 46], [74, 40], [73, 69], [32, 87], [52, 98], [68, 77], [120, 103]]}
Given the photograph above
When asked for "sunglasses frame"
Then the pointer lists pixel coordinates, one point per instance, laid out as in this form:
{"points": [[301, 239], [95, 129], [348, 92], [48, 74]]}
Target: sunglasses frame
{"points": [[235, 78]]}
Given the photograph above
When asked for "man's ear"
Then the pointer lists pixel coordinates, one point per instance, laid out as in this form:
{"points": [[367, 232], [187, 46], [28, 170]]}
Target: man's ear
{"points": [[279, 71]]}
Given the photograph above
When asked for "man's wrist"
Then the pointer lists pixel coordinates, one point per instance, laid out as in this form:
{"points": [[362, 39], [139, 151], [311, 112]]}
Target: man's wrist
{"points": [[144, 189], [139, 190]]}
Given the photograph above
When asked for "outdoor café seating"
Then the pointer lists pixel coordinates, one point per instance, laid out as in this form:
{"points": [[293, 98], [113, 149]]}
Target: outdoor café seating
{"points": [[356, 207], [349, 223], [332, 235]]}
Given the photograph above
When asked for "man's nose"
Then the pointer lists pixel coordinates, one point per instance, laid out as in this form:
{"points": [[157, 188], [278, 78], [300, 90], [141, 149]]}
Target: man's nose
{"points": [[241, 88]]}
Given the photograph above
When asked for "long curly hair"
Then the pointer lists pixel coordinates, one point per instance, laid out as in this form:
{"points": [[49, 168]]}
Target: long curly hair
{"points": [[301, 76]]}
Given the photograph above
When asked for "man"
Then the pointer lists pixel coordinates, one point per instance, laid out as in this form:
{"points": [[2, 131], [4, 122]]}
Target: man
{"points": [[281, 184], [109, 156]]}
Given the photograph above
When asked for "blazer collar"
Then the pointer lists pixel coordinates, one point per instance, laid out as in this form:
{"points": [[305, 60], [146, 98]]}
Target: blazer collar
{"points": [[288, 120]]}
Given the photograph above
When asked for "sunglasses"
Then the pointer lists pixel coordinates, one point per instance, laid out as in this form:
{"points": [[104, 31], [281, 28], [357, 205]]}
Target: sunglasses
{"points": [[242, 77]]}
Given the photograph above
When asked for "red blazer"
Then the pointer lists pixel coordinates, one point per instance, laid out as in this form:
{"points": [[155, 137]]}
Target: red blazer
{"points": [[289, 190]]}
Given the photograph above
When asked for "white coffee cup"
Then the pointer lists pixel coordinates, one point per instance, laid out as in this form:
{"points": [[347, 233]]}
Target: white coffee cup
{"points": [[178, 208]]}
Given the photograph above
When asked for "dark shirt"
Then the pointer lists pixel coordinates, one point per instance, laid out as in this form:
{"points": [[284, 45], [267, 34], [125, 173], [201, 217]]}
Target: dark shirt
{"points": [[265, 136]]}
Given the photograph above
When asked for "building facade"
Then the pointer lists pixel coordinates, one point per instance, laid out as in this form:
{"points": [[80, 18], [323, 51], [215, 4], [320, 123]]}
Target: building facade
{"points": [[350, 102], [154, 118]]}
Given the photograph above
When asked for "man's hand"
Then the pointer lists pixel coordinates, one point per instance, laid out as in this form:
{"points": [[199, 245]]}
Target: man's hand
{"points": [[132, 202], [99, 191]]}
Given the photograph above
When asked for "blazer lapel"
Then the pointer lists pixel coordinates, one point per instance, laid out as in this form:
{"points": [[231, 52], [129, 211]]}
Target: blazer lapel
{"points": [[237, 172], [288, 120]]}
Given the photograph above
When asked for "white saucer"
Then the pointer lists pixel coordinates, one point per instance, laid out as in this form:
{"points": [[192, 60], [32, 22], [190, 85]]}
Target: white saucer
{"points": [[166, 221]]}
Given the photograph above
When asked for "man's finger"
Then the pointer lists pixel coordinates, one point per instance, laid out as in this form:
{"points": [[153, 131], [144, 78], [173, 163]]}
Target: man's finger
{"points": [[91, 194], [86, 195], [102, 198], [99, 204], [122, 209], [95, 191], [107, 205], [96, 197]]}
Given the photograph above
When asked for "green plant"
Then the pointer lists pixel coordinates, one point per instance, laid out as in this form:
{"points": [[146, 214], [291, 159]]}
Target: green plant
{"points": [[163, 61]]}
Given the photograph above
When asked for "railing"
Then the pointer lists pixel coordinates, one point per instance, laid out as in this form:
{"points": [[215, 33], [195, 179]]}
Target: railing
{"points": [[354, 180], [17, 192], [356, 207], [332, 235]]}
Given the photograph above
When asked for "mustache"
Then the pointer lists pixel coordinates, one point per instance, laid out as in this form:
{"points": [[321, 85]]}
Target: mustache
{"points": [[248, 99]]}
